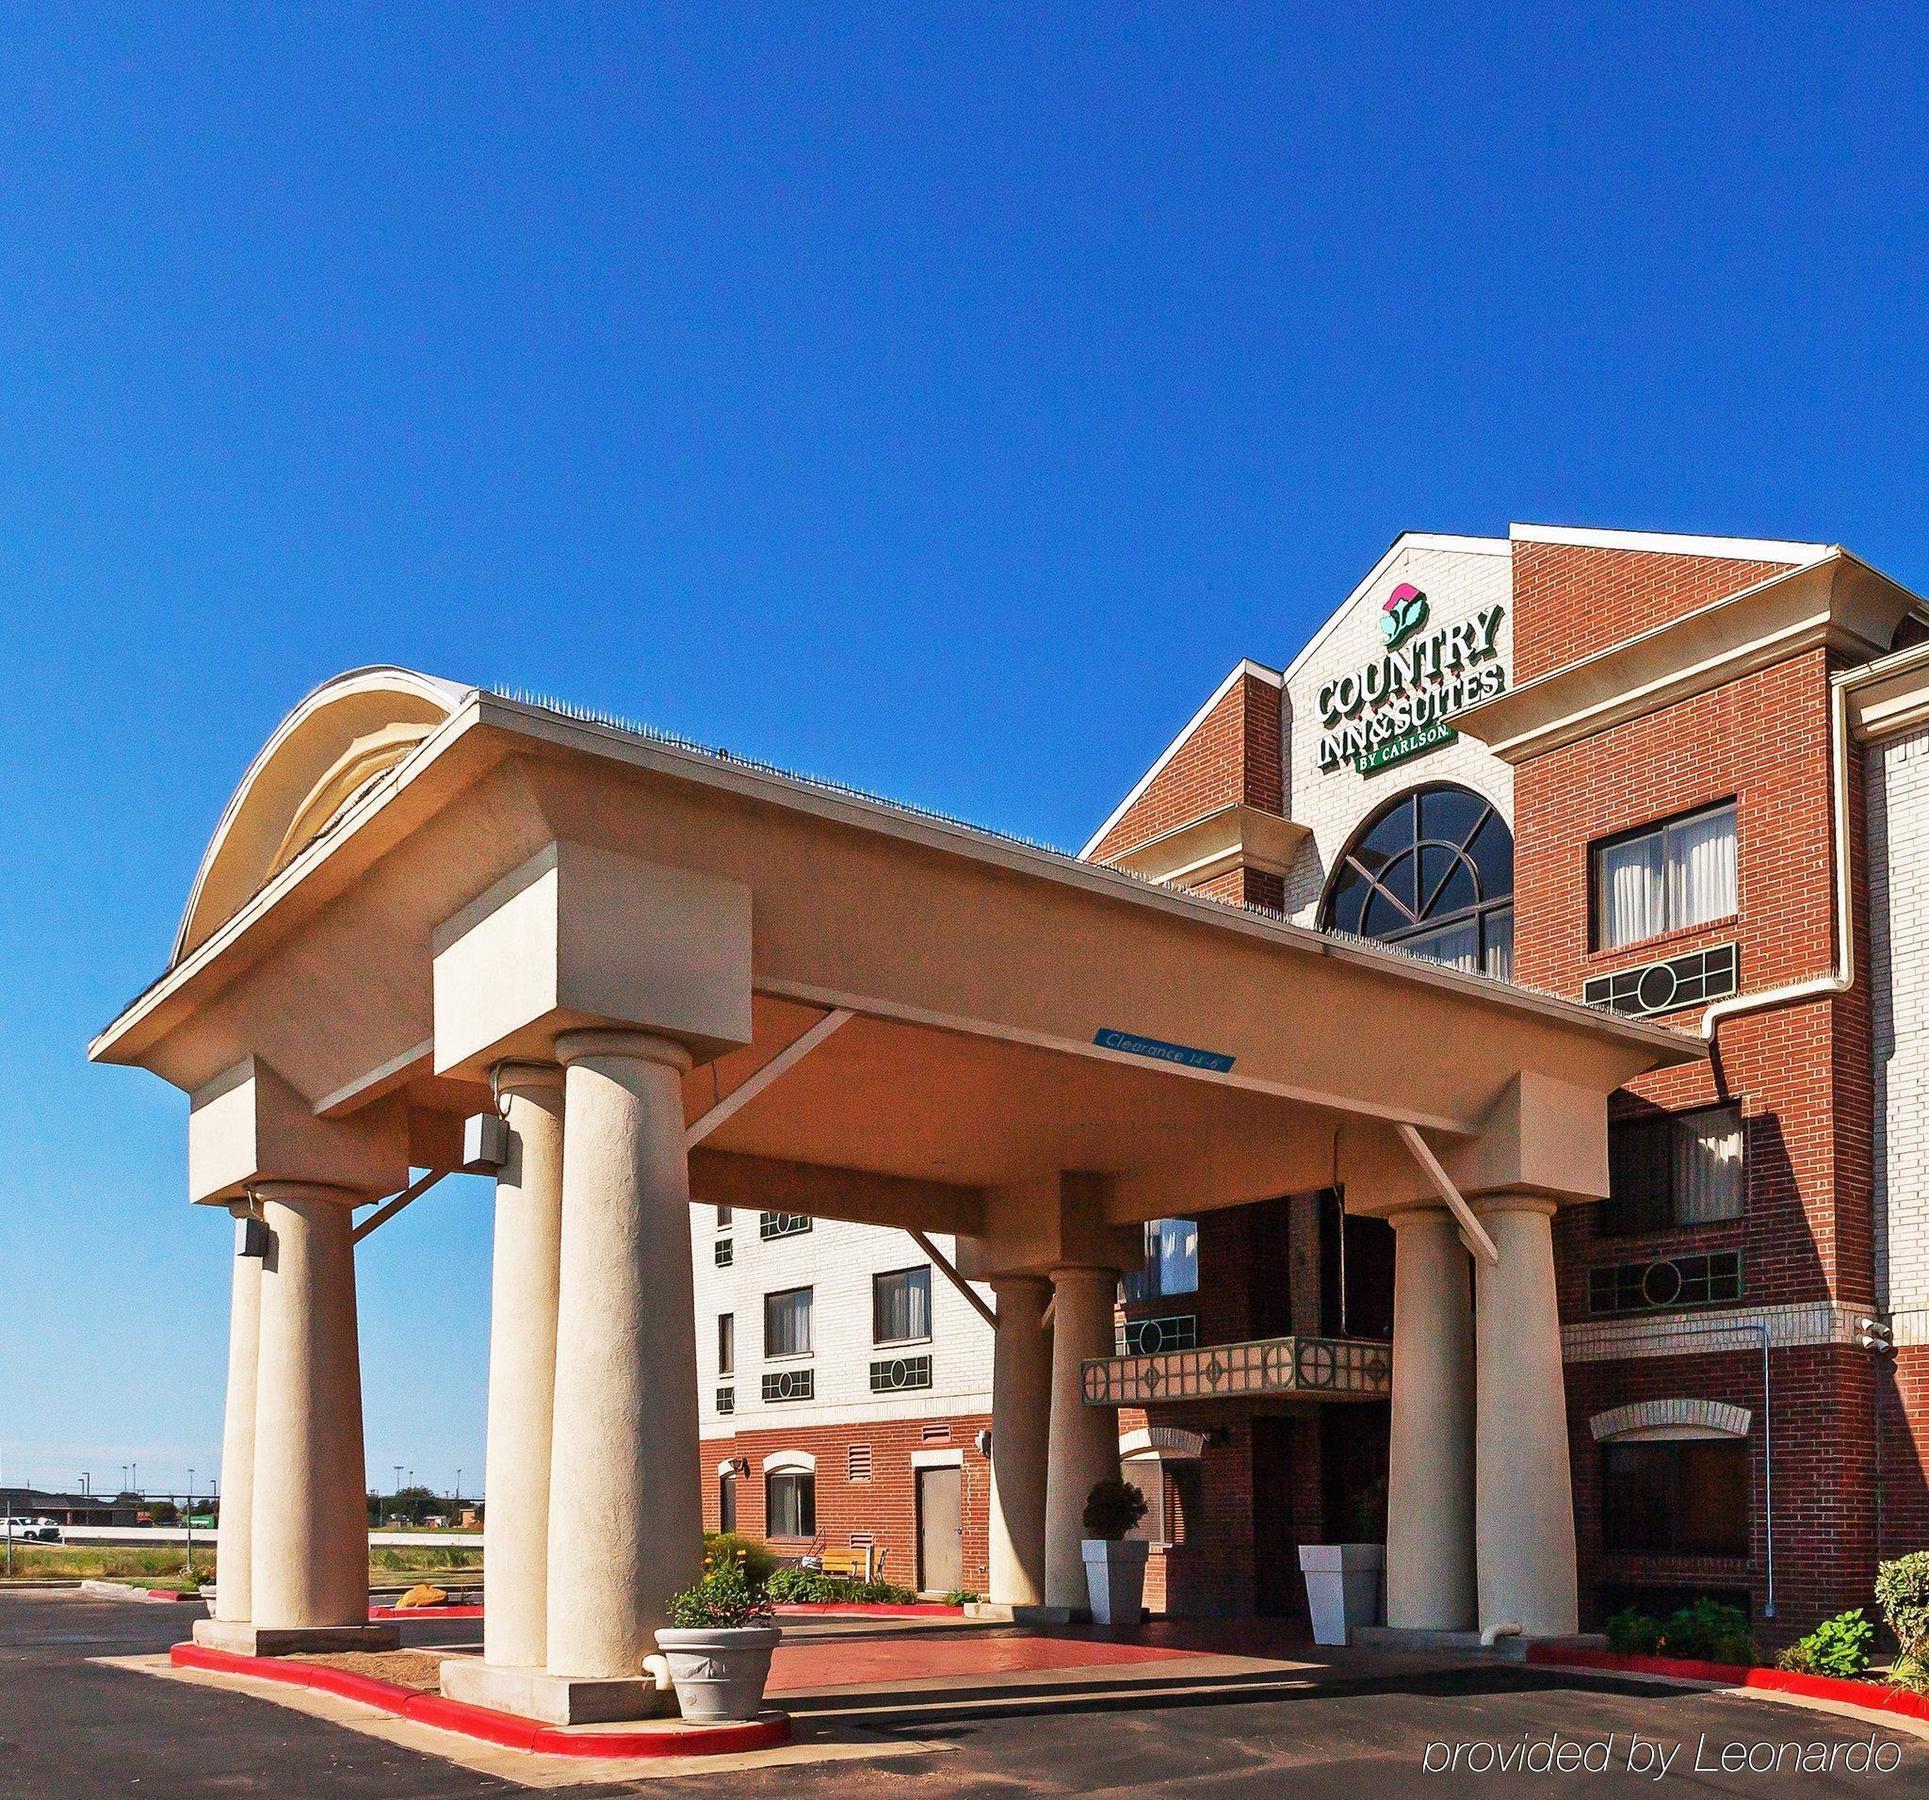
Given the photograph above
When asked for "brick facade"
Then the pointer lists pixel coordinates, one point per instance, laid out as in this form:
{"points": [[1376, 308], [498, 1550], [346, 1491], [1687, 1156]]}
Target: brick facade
{"points": [[881, 1506]]}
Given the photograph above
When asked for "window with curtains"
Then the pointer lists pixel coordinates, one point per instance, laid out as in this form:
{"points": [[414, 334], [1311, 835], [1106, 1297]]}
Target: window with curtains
{"points": [[1670, 1169], [726, 1343], [901, 1306], [1665, 879], [790, 1504], [787, 1323], [1171, 1264], [1431, 871]]}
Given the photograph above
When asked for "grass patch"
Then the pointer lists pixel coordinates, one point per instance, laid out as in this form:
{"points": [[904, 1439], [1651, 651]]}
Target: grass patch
{"points": [[108, 1562], [412, 1559]]}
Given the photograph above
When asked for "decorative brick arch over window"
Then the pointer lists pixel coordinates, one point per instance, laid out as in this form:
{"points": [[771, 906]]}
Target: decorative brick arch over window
{"points": [[1166, 1442], [1661, 1419]]}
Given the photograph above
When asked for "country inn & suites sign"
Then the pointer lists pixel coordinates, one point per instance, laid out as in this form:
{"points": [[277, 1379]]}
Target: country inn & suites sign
{"points": [[1397, 705]]}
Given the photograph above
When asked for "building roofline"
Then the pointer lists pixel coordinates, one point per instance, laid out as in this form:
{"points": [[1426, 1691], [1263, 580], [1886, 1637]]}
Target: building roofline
{"points": [[1668, 543], [1246, 666]]}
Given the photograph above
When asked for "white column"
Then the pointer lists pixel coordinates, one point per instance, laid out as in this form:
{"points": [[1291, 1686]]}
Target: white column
{"points": [[1084, 1440], [234, 1555], [1524, 1498], [1021, 1406], [625, 1521], [522, 1366], [1430, 1476], [310, 1514]]}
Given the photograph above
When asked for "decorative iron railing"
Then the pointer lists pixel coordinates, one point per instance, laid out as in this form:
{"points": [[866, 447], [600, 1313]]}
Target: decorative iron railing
{"points": [[1315, 1368]]}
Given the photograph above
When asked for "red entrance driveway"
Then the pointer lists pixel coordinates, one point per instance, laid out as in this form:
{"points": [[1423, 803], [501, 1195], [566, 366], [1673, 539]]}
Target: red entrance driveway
{"points": [[821, 1664]]}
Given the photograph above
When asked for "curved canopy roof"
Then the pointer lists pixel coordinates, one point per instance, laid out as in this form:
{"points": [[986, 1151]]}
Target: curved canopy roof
{"points": [[342, 737]]}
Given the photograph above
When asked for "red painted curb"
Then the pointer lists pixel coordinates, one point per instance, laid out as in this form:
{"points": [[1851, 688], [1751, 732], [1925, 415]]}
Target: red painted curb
{"points": [[860, 1609], [492, 1727], [459, 1611], [1875, 1695], [1674, 1667]]}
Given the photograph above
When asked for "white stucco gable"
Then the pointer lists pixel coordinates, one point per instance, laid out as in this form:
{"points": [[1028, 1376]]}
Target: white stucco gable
{"points": [[1462, 580]]}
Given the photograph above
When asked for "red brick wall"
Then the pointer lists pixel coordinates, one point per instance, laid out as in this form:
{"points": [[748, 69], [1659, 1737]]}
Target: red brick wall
{"points": [[1824, 1479], [1802, 1074], [1570, 601], [885, 1506], [1234, 756]]}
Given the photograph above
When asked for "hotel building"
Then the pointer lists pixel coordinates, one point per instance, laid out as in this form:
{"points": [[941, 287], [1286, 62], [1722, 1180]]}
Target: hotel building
{"points": [[1683, 779]]}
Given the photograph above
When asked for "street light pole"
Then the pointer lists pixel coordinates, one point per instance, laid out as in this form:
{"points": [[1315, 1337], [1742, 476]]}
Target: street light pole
{"points": [[189, 1569]]}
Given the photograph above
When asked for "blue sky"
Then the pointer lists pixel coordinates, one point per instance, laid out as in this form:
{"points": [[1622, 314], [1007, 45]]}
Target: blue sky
{"points": [[938, 397]]}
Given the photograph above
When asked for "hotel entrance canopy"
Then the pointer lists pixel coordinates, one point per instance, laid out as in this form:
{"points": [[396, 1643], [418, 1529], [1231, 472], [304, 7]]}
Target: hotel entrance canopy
{"points": [[681, 976], [1010, 1006]]}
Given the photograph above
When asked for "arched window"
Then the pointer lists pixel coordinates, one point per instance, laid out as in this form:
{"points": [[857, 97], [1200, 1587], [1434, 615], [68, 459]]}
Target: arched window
{"points": [[1433, 872]]}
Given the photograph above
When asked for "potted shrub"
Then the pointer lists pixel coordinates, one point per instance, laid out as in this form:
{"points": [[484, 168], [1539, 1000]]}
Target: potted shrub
{"points": [[1114, 1563], [718, 1643]]}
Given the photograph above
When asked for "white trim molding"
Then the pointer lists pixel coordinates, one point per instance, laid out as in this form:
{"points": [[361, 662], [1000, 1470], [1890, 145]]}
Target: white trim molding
{"points": [[790, 1462], [1670, 1419], [1711, 1333], [937, 1459], [1161, 1443], [1672, 543]]}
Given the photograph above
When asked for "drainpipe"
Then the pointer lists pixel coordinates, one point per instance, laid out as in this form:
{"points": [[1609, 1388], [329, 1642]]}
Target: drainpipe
{"points": [[1842, 977]]}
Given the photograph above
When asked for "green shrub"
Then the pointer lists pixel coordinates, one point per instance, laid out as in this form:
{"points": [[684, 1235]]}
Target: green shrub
{"points": [[1633, 1633], [1837, 1647], [726, 1596], [1708, 1631], [961, 1597], [812, 1587], [726, 1546], [1112, 1508], [1902, 1591]]}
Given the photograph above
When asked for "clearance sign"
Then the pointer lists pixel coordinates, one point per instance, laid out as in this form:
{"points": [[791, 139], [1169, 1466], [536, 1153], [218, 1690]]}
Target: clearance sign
{"points": [[1397, 705]]}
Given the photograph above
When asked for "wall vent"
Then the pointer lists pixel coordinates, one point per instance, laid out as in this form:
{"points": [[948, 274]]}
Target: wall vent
{"points": [[1691, 980], [857, 1465], [936, 1434]]}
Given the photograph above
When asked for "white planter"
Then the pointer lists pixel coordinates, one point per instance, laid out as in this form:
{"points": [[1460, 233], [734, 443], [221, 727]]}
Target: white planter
{"points": [[719, 1671], [1115, 1579], [1342, 1587]]}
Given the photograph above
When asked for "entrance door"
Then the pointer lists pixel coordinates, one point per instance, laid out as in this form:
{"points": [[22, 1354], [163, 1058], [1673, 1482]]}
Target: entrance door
{"points": [[940, 1530]]}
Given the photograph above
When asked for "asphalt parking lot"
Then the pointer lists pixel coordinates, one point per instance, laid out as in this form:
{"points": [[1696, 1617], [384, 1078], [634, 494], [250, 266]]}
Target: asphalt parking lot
{"points": [[72, 1727]]}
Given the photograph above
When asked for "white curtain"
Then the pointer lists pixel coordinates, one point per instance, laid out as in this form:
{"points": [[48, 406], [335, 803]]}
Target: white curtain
{"points": [[1701, 867], [1633, 899], [901, 1306], [1708, 1167], [1458, 946]]}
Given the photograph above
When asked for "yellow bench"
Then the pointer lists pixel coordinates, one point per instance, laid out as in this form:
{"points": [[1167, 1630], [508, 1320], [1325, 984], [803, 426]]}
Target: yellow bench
{"points": [[853, 1565]]}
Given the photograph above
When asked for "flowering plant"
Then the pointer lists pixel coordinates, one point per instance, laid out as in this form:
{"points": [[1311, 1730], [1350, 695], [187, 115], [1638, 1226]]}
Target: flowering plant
{"points": [[726, 1596]]}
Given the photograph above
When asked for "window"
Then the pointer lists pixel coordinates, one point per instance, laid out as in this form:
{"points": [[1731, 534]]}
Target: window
{"points": [[790, 1504], [1433, 872], [1153, 1337], [727, 1501], [1674, 1169], [724, 1216], [726, 1400], [723, 1253], [900, 1374], [787, 1323], [1171, 1263], [779, 1225], [1666, 879], [1147, 1474], [726, 1343], [1668, 1283], [901, 1306], [1676, 1498]]}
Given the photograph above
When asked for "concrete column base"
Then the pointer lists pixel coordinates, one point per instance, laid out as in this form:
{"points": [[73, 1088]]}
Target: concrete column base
{"points": [[558, 1699], [1507, 1649], [240, 1638]]}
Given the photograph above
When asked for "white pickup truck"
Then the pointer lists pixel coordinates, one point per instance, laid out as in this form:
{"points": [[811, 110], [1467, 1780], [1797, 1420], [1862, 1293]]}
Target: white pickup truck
{"points": [[31, 1531]]}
